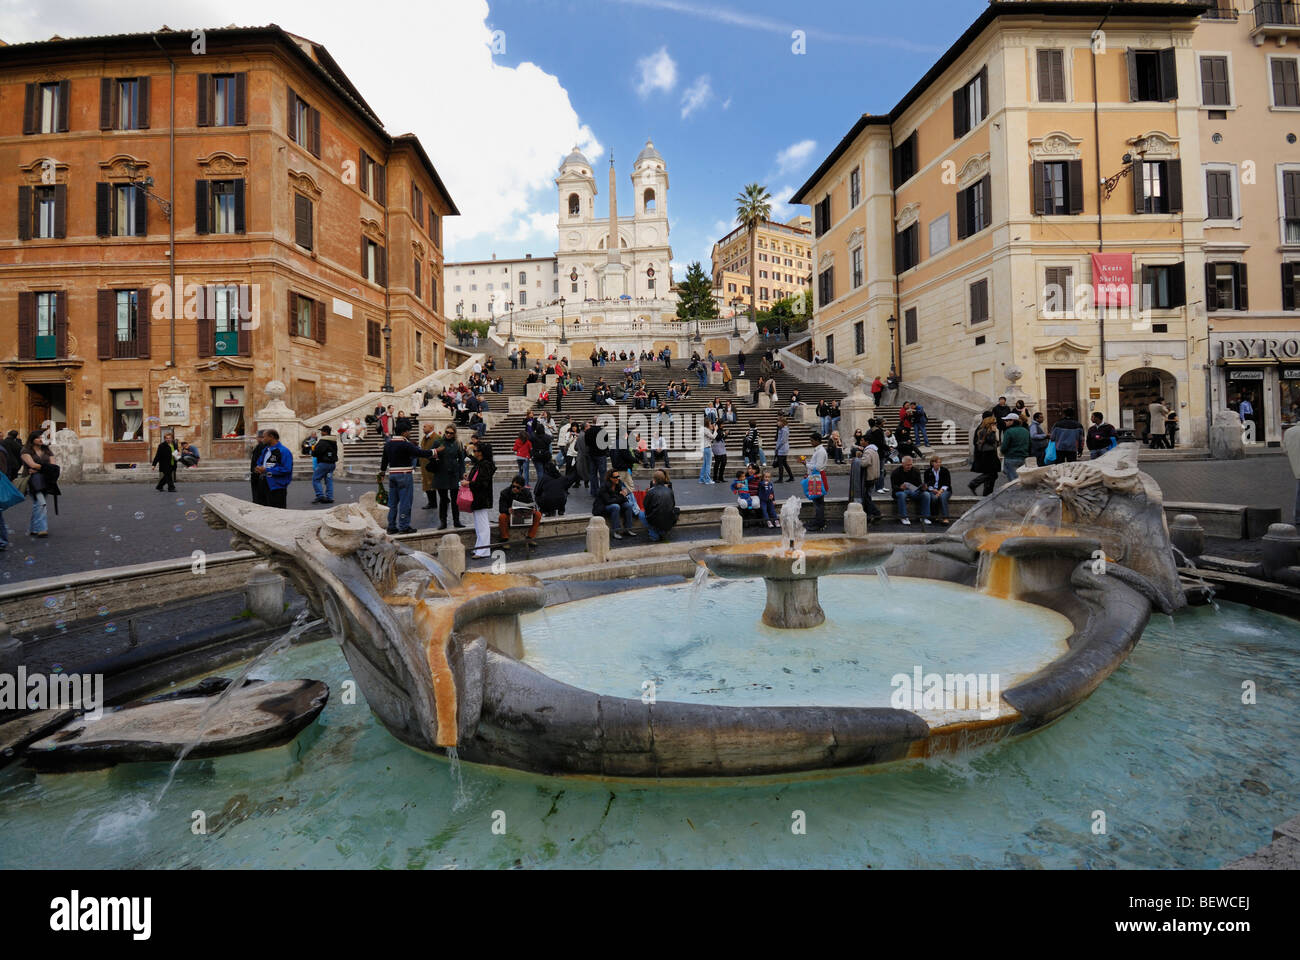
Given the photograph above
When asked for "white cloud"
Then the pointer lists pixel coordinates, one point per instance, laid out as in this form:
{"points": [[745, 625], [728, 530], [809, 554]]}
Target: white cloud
{"points": [[496, 159], [656, 72], [696, 95], [782, 208], [726, 104], [794, 156]]}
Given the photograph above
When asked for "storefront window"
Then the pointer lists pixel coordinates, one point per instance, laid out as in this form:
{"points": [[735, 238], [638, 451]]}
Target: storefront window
{"points": [[1289, 390], [227, 412], [128, 416]]}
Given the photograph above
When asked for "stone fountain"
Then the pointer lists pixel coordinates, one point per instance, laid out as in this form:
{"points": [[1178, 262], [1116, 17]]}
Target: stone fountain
{"points": [[440, 658], [791, 567]]}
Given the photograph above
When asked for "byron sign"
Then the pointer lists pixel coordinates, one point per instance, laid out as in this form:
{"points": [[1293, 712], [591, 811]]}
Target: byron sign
{"points": [[1259, 348]]}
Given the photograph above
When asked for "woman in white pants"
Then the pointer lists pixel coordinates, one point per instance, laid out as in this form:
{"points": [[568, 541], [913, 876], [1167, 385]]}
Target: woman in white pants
{"points": [[479, 482]]}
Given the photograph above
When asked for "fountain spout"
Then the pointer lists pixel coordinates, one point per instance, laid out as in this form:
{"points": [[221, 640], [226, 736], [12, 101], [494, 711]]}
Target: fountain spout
{"points": [[792, 529]]}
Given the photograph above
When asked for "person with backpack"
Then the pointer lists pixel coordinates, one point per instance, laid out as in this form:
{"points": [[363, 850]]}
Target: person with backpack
{"points": [[325, 456], [398, 463], [1067, 434], [752, 448], [552, 491]]}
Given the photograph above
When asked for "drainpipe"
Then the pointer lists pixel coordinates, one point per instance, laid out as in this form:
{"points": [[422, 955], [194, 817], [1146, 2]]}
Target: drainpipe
{"points": [[1096, 146], [171, 208], [893, 219]]}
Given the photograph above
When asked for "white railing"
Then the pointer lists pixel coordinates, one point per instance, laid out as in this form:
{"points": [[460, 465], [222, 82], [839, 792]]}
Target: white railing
{"points": [[611, 318], [360, 406]]}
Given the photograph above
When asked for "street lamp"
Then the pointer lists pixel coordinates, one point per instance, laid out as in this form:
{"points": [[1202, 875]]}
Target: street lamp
{"points": [[510, 306], [563, 337], [892, 322], [735, 305]]}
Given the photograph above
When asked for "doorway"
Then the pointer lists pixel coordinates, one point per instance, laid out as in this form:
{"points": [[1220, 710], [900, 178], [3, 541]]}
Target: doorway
{"points": [[1248, 385], [1138, 389], [47, 401], [1062, 394]]}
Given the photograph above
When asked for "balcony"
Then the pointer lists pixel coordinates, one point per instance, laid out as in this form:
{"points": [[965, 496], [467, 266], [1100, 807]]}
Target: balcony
{"points": [[1224, 11], [1276, 19]]}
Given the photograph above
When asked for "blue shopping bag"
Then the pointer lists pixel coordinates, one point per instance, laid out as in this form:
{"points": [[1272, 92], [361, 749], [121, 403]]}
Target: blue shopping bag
{"points": [[9, 495], [1050, 455]]}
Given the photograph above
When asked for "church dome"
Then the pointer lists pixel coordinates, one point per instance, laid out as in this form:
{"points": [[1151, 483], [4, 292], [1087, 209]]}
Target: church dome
{"points": [[575, 157], [648, 152]]}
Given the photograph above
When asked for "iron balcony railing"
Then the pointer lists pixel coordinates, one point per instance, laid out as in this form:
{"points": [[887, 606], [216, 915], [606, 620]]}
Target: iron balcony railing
{"points": [[1277, 13], [1224, 11]]}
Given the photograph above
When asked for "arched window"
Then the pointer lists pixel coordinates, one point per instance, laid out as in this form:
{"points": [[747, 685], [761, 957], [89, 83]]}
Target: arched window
{"points": [[575, 205], [649, 199]]}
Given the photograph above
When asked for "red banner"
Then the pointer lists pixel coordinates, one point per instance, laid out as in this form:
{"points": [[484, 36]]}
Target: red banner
{"points": [[1112, 279]]}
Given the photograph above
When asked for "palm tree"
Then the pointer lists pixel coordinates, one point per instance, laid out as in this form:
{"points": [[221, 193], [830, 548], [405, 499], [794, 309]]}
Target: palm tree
{"points": [[753, 206]]}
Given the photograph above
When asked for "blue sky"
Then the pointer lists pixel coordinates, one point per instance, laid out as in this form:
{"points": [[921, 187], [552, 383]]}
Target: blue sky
{"points": [[762, 99], [716, 84]]}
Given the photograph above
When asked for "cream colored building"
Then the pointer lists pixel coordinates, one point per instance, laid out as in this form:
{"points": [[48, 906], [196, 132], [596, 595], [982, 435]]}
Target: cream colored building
{"points": [[954, 235], [784, 252], [490, 289]]}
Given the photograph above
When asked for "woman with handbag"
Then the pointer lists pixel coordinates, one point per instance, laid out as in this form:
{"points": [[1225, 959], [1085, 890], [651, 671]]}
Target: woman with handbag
{"points": [[41, 475], [986, 463], [476, 495]]}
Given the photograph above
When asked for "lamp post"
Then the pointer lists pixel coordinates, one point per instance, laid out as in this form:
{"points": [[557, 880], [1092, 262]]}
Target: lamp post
{"points": [[563, 337], [892, 322], [735, 306], [388, 356], [510, 306]]}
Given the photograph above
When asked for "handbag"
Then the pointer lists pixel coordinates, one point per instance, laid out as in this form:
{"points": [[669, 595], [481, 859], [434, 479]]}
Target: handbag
{"points": [[1050, 455], [814, 485], [465, 499], [22, 483], [381, 494], [9, 494]]}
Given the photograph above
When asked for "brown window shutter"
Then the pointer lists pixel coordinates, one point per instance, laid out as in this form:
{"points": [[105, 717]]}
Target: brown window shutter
{"points": [[141, 214], [293, 314], [1037, 172], [26, 325], [963, 214], [292, 124], [1243, 297], [1288, 286], [1075, 173], [106, 308], [1131, 57], [245, 337], [29, 108], [241, 99], [207, 338], [1168, 75], [60, 210], [960, 119], [984, 91], [24, 213], [240, 221], [144, 103], [103, 195], [106, 99], [1174, 184], [363, 258], [143, 316], [381, 185], [383, 266], [65, 94], [203, 100], [61, 323], [318, 320], [1178, 285], [314, 141], [1139, 190], [363, 175], [200, 206], [1211, 289], [302, 221]]}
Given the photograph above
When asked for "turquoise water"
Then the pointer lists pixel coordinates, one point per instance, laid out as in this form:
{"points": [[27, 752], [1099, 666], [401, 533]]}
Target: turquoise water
{"points": [[1185, 774], [873, 633]]}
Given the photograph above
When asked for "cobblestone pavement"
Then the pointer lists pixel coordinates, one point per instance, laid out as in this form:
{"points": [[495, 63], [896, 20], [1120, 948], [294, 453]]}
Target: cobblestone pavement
{"points": [[113, 524]]}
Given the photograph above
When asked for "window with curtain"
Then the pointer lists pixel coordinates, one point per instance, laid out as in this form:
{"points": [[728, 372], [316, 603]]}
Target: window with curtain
{"points": [[128, 415]]}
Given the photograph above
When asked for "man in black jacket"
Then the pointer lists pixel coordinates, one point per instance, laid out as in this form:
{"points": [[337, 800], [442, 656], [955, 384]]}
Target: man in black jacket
{"points": [[398, 463], [908, 484], [552, 490], [1000, 411], [325, 452], [257, 481], [516, 493], [165, 460], [938, 483], [660, 506], [597, 456]]}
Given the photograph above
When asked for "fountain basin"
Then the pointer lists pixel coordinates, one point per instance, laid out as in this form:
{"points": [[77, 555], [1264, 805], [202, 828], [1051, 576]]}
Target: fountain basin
{"points": [[791, 574]]}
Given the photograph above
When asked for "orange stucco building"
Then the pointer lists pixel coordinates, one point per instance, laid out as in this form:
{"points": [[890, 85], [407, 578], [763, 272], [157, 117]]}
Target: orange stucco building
{"points": [[239, 168]]}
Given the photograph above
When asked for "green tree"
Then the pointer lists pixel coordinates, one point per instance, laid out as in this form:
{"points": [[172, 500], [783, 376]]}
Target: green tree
{"points": [[695, 295], [794, 311], [753, 206]]}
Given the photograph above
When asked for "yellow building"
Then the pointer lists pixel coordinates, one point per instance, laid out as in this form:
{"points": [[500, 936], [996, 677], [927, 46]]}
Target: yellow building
{"points": [[1248, 92], [957, 236], [784, 252]]}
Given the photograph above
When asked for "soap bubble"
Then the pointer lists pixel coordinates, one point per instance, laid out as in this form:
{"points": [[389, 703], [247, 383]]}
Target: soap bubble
{"points": [[110, 627], [56, 668], [61, 625], [180, 502], [29, 560], [191, 514], [51, 602], [102, 611], [139, 514], [178, 528]]}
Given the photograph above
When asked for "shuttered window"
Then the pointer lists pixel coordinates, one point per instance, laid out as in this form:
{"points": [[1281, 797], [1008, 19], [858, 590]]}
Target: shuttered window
{"points": [[1286, 82], [43, 212], [374, 339], [1051, 76], [303, 123], [1290, 285], [974, 208], [124, 103], [222, 100], [302, 221], [417, 205], [45, 108], [219, 206], [1158, 186], [826, 286], [373, 265], [910, 333], [1214, 82], [1058, 290], [1152, 75], [1225, 287], [42, 325], [372, 178], [1218, 195], [979, 302], [907, 248], [970, 105], [1058, 187], [855, 187], [822, 215], [1291, 206], [123, 324], [419, 280], [1163, 286]]}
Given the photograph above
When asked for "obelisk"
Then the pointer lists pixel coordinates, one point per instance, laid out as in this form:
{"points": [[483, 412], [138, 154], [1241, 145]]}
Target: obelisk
{"points": [[613, 274]]}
